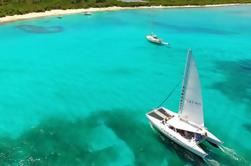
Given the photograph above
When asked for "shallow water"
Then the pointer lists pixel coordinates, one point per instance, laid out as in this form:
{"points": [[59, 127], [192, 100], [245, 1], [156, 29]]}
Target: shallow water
{"points": [[74, 91]]}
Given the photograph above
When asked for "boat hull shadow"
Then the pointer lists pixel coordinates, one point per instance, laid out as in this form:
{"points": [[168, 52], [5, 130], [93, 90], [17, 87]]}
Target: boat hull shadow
{"points": [[181, 152]]}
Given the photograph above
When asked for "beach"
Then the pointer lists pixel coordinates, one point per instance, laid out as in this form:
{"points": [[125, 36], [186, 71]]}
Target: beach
{"points": [[60, 12]]}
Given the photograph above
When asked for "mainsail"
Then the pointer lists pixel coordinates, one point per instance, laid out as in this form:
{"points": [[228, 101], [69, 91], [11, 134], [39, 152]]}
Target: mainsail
{"points": [[191, 108]]}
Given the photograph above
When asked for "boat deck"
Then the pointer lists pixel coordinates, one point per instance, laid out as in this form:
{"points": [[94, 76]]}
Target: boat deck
{"points": [[155, 115], [162, 111], [160, 114]]}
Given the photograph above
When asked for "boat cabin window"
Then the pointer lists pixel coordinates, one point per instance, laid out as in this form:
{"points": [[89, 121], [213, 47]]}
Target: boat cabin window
{"points": [[172, 128], [186, 134]]}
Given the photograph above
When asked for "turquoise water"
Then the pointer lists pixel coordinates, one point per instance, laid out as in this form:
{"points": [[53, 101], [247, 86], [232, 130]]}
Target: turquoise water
{"points": [[74, 91]]}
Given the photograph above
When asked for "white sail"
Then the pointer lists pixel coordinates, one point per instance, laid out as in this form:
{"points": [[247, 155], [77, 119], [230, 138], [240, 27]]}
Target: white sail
{"points": [[191, 108]]}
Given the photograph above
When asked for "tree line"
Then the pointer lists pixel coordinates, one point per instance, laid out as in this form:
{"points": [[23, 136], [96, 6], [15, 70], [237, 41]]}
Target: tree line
{"points": [[12, 7]]}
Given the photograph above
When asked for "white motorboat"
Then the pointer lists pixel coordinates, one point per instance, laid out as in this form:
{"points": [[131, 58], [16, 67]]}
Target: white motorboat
{"points": [[154, 39], [186, 127]]}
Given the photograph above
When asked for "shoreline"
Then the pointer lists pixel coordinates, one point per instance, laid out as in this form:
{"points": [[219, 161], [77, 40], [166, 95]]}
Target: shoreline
{"points": [[60, 12]]}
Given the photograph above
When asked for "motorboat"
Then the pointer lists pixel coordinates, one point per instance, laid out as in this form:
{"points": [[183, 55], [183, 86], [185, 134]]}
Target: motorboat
{"points": [[154, 39], [186, 127]]}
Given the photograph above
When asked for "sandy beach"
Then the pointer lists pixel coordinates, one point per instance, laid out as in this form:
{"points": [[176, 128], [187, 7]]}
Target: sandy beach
{"points": [[7, 19]]}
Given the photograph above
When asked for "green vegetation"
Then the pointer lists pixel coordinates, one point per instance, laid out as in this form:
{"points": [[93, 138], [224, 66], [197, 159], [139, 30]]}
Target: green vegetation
{"points": [[11, 7]]}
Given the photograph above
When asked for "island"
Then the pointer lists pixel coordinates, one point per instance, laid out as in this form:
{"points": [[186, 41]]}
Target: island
{"points": [[19, 7]]}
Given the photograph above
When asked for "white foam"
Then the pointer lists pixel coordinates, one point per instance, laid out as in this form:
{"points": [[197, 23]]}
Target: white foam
{"points": [[211, 162], [232, 154]]}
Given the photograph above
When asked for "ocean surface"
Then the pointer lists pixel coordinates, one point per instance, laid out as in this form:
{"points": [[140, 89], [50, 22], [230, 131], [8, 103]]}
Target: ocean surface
{"points": [[75, 90]]}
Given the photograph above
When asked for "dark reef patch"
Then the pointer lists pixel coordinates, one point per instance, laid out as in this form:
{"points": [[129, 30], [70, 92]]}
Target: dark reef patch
{"points": [[58, 141], [55, 142], [189, 29], [247, 127], [40, 29], [246, 65], [237, 83]]}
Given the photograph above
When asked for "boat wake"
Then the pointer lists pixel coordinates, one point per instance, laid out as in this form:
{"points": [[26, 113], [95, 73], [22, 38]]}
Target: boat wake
{"points": [[211, 162], [154, 130], [231, 153], [165, 43]]}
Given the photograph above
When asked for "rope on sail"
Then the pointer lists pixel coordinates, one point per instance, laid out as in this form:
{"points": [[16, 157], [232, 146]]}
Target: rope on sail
{"points": [[171, 92]]}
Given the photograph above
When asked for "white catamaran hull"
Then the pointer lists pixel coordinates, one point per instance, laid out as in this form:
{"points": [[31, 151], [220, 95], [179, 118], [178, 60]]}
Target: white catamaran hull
{"points": [[186, 127], [177, 138]]}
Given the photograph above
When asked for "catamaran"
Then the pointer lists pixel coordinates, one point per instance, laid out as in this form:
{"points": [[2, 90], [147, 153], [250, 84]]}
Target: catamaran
{"points": [[186, 127]]}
